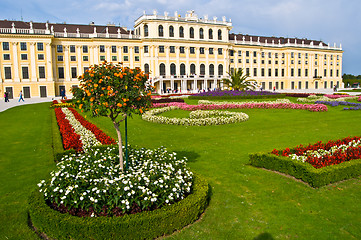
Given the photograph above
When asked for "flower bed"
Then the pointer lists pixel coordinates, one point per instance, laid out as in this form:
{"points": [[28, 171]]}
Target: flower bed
{"points": [[228, 94], [167, 100], [325, 154], [314, 98], [262, 105], [283, 100], [197, 118], [91, 184], [357, 106]]}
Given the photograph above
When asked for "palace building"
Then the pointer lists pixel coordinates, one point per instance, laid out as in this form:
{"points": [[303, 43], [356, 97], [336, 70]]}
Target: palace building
{"points": [[181, 54]]}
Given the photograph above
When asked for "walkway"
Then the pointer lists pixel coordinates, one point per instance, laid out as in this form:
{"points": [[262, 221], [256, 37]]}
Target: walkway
{"points": [[14, 102]]}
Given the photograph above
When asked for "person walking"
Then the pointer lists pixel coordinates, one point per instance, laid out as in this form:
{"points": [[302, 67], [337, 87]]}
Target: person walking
{"points": [[7, 97], [62, 94], [21, 96]]}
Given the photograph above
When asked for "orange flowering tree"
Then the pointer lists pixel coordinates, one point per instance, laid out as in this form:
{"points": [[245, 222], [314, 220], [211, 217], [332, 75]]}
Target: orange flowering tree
{"points": [[113, 91]]}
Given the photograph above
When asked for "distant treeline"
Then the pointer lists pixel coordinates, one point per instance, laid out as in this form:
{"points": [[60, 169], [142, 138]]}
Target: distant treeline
{"points": [[349, 79]]}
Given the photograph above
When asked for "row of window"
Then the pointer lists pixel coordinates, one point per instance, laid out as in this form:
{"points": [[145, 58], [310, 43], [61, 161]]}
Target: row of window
{"points": [[263, 54], [171, 32], [300, 85], [85, 49], [292, 73], [282, 62], [173, 71], [23, 46], [25, 72]]}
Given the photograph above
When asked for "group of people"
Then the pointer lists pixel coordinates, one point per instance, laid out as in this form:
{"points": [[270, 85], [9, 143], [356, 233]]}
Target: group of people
{"points": [[6, 96]]}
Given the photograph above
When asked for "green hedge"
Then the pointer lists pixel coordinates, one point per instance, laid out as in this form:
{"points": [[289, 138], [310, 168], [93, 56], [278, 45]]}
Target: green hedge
{"points": [[236, 97], [306, 172], [144, 225], [56, 137]]}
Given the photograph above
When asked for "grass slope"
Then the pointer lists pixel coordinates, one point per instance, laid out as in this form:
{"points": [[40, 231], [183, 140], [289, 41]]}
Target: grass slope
{"points": [[246, 203]]}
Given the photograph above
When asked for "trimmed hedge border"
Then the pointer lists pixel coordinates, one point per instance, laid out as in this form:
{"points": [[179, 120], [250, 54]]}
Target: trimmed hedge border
{"points": [[306, 172], [281, 95], [144, 225], [57, 142]]}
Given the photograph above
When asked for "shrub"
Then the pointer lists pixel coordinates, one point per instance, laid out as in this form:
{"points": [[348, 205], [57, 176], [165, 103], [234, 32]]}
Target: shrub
{"points": [[167, 100], [144, 225]]}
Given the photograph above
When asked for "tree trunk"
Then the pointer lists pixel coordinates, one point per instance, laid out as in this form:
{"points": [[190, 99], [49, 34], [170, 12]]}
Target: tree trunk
{"points": [[121, 164]]}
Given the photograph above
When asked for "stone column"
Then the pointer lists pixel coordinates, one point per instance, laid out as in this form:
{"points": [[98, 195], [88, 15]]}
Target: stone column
{"points": [[16, 62], [78, 51], [32, 62], [66, 63]]}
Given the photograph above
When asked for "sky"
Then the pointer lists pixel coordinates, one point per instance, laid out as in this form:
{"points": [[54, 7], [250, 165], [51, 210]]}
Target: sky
{"points": [[332, 21]]}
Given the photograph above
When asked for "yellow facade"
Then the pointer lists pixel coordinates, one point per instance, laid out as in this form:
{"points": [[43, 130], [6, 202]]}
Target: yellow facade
{"points": [[183, 55]]}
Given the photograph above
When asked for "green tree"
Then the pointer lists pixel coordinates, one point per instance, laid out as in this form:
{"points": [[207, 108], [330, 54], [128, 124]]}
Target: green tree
{"points": [[238, 81], [113, 91]]}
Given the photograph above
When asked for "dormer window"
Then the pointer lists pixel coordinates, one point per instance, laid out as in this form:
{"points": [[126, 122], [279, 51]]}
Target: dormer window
{"points": [[171, 31], [160, 31], [191, 32], [146, 33], [210, 34], [219, 34], [201, 33], [181, 32]]}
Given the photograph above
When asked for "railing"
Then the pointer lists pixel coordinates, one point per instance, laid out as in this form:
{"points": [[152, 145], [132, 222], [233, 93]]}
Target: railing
{"points": [[190, 77]]}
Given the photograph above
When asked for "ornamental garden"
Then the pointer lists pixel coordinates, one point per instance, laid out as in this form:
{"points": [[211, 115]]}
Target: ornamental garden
{"points": [[227, 164]]}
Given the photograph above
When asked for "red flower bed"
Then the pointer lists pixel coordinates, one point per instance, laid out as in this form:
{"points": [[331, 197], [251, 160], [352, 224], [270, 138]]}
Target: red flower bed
{"points": [[99, 134], [71, 140], [337, 157]]}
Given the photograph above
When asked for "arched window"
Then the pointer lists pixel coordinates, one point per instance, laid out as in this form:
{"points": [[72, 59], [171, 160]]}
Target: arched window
{"points": [[191, 32], [181, 32], [171, 31], [146, 33], [211, 70], [173, 69], [219, 34], [220, 69], [202, 70], [162, 69], [146, 68], [183, 69], [201, 33], [160, 31], [210, 34], [193, 69]]}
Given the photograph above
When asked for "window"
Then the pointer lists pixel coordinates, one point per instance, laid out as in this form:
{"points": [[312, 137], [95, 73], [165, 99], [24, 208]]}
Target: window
{"points": [[219, 51], [146, 49], [60, 58], [269, 55], [306, 55], [146, 33], [316, 56], [220, 69], [72, 48], [254, 61], [73, 58], [283, 72], [181, 32], [270, 85], [276, 72], [7, 71], [136, 49], [161, 49], [201, 50], [85, 69], [114, 58], [162, 69], [85, 49], [292, 54], [201, 33], [101, 48], [247, 60], [160, 31], [299, 55], [40, 46], [262, 72], [202, 70], [60, 72], [136, 58], [191, 32], [232, 60], [239, 53], [247, 53], [125, 58], [102, 58], [181, 50], [292, 72], [254, 54], [292, 62], [219, 34], [325, 72], [59, 48], [25, 72], [283, 55], [299, 61], [183, 69], [85, 58], [262, 61], [316, 63], [41, 72], [73, 72], [192, 50], [7, 47], [270, 72], [40, 56], [269, 61], [23, 46], [172, 49], [299, 85], [247, 71], [262, 54], [125, 49], [315, 73], [211, 69], [146, 68], [171, 31], [299, 72], [255, 72], [276, 62], [276, 55], [306, 72], [306, 62], [6, 56], [210, 34], [338, 57], [337, 73], [173, 69], [193, 69], [114, 49], [211, 51], [306, 85]]}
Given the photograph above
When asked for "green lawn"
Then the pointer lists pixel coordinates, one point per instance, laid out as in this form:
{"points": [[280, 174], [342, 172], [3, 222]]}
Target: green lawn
{"points": [[246, 202]]}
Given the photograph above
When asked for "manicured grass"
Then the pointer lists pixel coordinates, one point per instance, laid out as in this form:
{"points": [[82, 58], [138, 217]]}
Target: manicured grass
{"points": [[246, 202]]}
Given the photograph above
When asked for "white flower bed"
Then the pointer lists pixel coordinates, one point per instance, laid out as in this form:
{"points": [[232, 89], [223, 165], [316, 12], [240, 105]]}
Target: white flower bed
{"points": [[86, 136], [314, 98], [321, 152], [93, 180], [208, 102], [197, 118]]}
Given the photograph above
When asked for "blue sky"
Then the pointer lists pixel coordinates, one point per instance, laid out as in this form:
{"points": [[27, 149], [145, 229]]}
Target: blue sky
{"points": [[332, 21]]}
